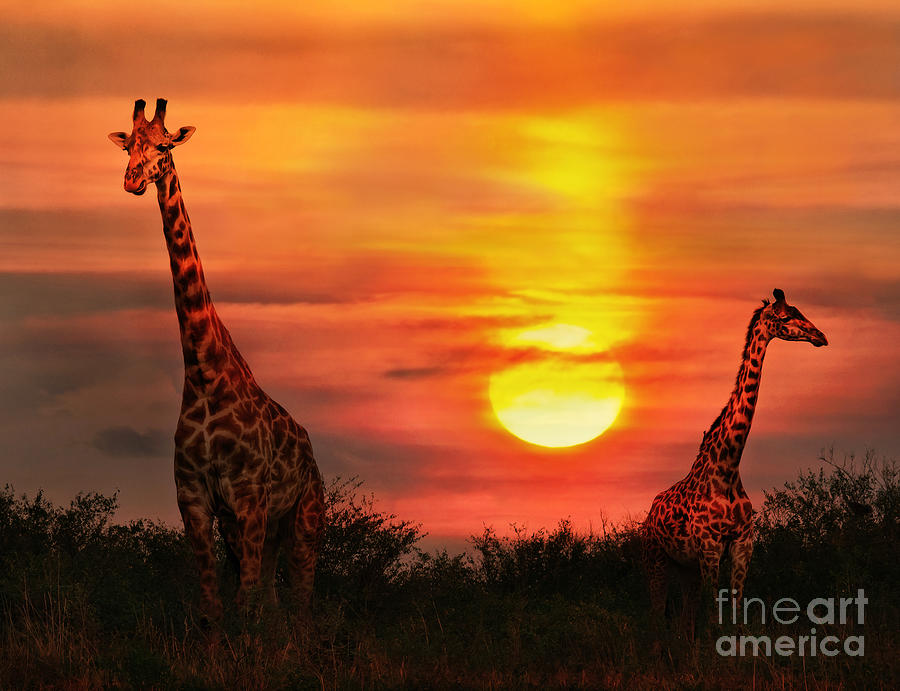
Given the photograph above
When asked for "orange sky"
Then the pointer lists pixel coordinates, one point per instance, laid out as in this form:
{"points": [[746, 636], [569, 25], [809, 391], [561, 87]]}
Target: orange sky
{"points": [[383, 195]]}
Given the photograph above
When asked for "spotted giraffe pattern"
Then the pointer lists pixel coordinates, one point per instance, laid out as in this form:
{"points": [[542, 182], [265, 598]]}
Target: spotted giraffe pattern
{"points": [[700, 518], [240, 458]]}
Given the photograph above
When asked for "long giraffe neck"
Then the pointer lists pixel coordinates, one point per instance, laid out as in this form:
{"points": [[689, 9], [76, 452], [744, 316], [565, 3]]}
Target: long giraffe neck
{"points": [[723, 445], [205, 342]]}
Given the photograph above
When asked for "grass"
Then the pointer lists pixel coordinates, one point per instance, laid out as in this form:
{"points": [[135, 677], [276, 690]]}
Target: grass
{"points": [[88, 603]]}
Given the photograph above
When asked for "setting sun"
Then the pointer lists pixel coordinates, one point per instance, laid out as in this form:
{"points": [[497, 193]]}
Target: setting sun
{"points": [[570, 396]]}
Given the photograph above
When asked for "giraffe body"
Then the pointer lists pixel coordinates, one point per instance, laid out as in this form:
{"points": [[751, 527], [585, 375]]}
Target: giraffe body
{"points": [[240, 458], [707, 514]]}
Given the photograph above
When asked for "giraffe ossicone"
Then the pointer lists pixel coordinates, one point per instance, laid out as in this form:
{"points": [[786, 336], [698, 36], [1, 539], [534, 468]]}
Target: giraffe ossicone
{"points": [[240, 458], [707, 514]]}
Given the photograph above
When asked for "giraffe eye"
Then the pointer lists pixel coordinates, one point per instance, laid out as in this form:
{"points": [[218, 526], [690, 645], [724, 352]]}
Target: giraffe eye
{"points": [[162, 148]]}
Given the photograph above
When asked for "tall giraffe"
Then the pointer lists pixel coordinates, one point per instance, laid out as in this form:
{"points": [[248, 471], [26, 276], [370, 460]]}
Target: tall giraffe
{"points": [[239, 456], [708, 512]]}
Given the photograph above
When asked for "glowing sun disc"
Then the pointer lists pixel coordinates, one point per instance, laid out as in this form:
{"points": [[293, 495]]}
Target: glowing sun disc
{"points": [[558, 403]]}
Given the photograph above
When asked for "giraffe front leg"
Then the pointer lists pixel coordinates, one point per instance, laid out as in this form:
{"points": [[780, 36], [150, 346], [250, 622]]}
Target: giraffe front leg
{"points": [[710, 558], [251, 522], [198, 528], [740, 552], [308, 527]]}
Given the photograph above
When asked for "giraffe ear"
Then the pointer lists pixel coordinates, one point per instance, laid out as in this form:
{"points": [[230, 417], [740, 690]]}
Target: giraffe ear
{"points": [[118, 138], [779, 295], [182, 135]]}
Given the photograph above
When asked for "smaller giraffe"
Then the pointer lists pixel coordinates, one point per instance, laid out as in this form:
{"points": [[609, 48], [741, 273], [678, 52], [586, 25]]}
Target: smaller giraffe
{"points": [[707, 514]]}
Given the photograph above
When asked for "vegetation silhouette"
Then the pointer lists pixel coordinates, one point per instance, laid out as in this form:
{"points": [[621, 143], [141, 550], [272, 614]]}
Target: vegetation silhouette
{"points": [[86, 602]]}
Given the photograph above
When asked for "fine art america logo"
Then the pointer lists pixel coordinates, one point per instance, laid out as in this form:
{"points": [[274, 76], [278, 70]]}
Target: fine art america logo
{"points": [[819, 611]]}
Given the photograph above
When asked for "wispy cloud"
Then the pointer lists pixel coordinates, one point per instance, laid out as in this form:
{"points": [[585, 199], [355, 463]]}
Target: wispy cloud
{"points": [[718, 55], [127, 441]]}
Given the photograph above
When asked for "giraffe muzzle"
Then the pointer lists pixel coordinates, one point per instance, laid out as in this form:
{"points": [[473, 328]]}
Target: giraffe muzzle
{"points": [[817, 338], [136, 188], [135, 182]]}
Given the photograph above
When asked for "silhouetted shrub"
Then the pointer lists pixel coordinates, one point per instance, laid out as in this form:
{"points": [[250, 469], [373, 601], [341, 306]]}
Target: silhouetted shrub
{"points": [[364, 551], [560, 562], [832, 531], [86, 602]]}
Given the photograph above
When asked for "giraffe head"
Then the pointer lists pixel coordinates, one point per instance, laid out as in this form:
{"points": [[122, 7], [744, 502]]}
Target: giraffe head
{"points": [[786, 322], [149, 146]]}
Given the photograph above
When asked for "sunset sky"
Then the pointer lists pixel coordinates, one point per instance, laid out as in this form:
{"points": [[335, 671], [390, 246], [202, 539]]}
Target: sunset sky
{"points": [[390, 201]]}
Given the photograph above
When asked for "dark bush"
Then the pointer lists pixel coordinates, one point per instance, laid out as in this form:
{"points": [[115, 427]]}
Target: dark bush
{"points": [[832, 531], [86, 602]]}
